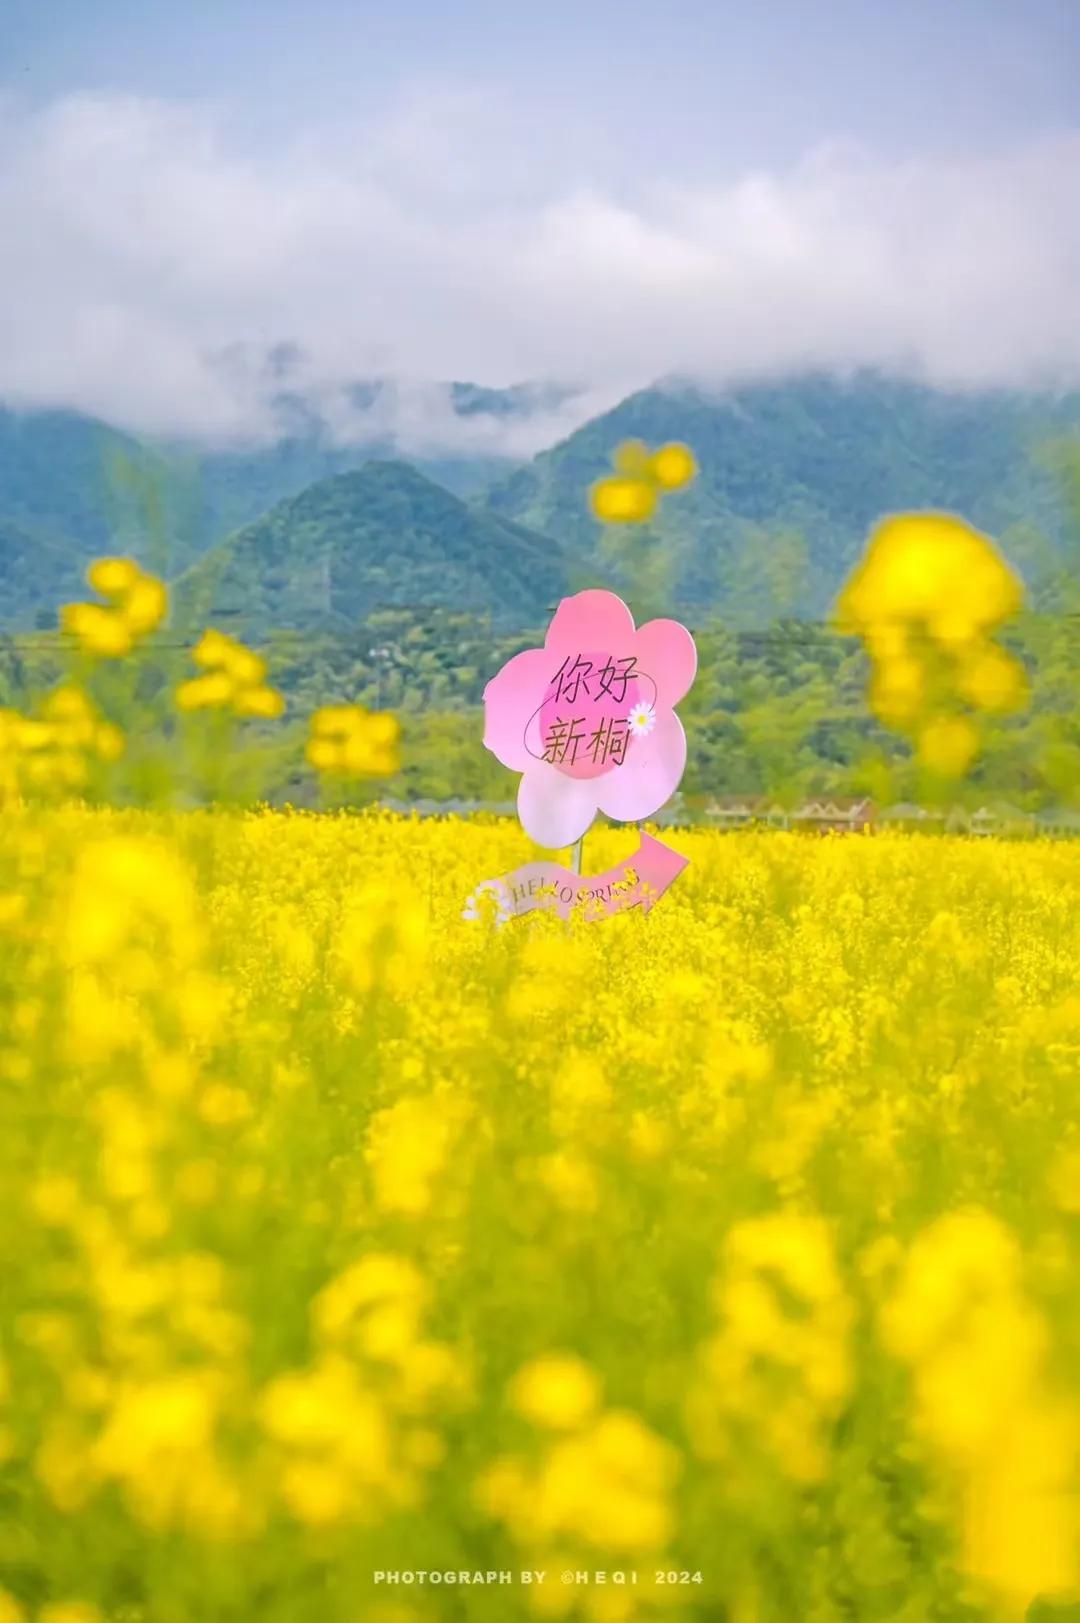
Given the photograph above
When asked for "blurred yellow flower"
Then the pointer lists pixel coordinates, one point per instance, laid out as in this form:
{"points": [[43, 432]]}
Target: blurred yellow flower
{"points": [[948, 745], [234, 680], [137, 603], [991, 679], [608, 1485], [262, 701], [558, 1391], [69, 1611], [984, 1401], [407, 1147], [673, 466], [145, 605], [779, 1368], [210, 692], [56, 750], [926, 598], [623, 501], [931, 569], [898, 691], [113, 577], [101, 631], [372, 1282], [641, 476], [348, 741], [319, 1224]]}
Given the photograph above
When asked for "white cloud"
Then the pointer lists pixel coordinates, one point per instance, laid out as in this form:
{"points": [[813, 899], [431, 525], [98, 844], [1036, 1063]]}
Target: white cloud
{"points": [[145, 258]]}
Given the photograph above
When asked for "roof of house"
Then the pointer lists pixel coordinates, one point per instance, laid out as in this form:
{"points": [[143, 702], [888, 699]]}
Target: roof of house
{"points": [[1004, 812], [834, 806], [908, 811], [1059, 817]]}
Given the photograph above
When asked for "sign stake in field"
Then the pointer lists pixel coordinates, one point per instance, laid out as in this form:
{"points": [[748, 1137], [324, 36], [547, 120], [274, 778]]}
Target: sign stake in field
{"points": [[589, 721]]}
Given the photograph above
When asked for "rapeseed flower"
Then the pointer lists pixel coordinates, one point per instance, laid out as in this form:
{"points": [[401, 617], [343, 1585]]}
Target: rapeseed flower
{"points": [[559, 1392], [927, 598], [632, 494], [234, 679], [135, 605], [348, 741], [745, 1227], [57, 749]]}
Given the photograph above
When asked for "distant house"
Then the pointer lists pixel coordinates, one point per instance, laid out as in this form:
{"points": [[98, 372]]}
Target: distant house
{"points": [[426, 807], [733, 811], [1000, 818], [908, 816], [825, 814], [834, 816], [773, 815], [1059, 822], [742, 811]]}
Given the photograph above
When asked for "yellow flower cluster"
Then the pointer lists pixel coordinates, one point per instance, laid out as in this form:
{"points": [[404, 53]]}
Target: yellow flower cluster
{"points": [[603, 1482], [408, 1145], [61, 1611], [382, 940], [631, 494], [926, 599], [351, 1432], [348, 741], [234, 679], [779, 1370], [737, 1241], [978, 1351], [56, 749], [135, 605]]}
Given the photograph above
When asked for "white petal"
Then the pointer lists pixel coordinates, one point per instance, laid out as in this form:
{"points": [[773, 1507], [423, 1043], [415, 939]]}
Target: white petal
{"points": [[555, 810]]}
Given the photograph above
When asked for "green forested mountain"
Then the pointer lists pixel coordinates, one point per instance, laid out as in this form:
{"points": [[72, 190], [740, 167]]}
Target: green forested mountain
{"points": [[382, 536], [792, 475], [33, 571], [69, 478], [80, 481], [226, 489], [230, 487]]}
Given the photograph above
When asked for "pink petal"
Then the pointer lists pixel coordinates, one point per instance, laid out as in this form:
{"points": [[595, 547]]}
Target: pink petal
{"points": [[555, 810], [649, 775], [667, 651], [510, 699], [593, 619]]}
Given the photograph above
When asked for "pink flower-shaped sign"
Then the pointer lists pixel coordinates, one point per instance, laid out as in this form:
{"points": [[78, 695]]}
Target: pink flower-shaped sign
{"points": [[589, 720]]}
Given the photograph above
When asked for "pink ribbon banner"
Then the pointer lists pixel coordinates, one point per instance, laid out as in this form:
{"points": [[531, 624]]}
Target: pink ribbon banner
{"points": [[640, 881]]}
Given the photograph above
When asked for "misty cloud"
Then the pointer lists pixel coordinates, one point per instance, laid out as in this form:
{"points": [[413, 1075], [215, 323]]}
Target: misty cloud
{"points": [[156, 273]]}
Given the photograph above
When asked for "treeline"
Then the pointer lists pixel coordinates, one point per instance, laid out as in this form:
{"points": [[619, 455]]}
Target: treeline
{"points": [[779, 711]]}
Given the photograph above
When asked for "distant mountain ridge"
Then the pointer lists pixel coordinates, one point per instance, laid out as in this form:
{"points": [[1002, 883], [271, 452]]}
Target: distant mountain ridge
{"points": [[82, 484], [381, 536], [58, 475], [34, 571], [792, 474]]}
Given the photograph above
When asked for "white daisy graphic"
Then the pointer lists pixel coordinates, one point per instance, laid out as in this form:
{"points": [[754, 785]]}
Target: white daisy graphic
{"points": [[495, 888], [641, 720]]}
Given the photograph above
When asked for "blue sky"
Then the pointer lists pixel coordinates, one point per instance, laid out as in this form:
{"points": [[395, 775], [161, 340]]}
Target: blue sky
{"points": [[493, 190], [705, 85]]}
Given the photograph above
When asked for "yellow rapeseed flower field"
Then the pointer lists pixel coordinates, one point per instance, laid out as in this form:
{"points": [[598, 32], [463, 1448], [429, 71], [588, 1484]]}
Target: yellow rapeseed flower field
{"points": [[732, 1249]]}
